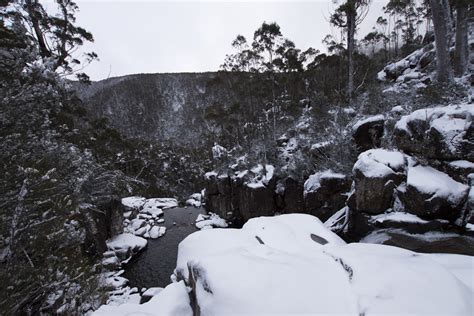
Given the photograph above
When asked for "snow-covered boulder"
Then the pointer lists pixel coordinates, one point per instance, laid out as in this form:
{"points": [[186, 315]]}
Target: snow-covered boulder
{"points": [[444, 133], [210, 221], [133, 202], [126, 245], [291, 264], [368, 132], [377, 173], [172, 300], [433, 194], [325, 193]]}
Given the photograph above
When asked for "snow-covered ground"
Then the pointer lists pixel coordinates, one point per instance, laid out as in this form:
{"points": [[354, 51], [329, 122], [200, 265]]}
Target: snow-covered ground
{"points": [[292, 264]]}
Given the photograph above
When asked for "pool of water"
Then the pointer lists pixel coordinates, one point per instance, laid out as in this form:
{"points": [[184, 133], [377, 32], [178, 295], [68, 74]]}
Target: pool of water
{"points": [[153, 267]]}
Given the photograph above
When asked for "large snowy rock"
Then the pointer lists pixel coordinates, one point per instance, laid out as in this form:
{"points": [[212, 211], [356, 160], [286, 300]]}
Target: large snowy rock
{"points": [[445, 133], [377, 173], [126, 245], [172, 300], [325, 193], [433, 194], [291, 264], [367, 133]]}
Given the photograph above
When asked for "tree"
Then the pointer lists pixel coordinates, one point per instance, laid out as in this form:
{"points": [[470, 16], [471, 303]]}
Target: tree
{"points": [[440, 12], [57, 38], [348, 16], [461, 51], [267, 39]]}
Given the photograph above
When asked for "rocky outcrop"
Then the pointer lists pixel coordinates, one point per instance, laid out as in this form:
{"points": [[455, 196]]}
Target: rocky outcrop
{"points": [[249, 194], [426, 192], [442, 133]]}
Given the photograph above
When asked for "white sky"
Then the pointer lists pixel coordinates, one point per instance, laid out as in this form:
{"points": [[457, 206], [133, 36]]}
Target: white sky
{"points": [[194, 36]]}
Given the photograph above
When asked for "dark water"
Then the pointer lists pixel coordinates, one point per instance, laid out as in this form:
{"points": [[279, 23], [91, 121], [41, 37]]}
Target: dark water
{"points": [[153, 267]]}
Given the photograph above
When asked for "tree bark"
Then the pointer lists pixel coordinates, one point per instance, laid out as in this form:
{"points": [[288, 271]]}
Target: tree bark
{"points": [[461, 52], [440, 23], [351, 25]]}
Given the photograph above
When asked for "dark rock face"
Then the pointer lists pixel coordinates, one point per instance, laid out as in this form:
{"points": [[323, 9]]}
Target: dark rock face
{"points": [[369, 134], [330, 197], [255, 202], [293, 198], [237, 200]]}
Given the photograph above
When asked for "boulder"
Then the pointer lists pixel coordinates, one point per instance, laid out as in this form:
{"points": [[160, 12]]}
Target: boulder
{"points": [[368, 133], [432, 194], [377, 173]]}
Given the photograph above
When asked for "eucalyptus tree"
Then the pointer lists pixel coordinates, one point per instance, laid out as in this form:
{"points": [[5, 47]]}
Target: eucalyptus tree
{"points": [[348, 16]]}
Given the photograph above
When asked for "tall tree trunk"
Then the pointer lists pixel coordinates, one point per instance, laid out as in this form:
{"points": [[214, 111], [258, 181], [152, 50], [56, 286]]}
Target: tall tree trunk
{"points": [[461, 52], [440, 23], [351, 25]]}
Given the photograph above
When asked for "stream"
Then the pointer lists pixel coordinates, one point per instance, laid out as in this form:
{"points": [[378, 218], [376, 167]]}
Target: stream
{"points": [[153, 267]]}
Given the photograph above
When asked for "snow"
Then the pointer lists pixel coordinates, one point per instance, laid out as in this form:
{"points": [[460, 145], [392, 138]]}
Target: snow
{"points": [[134, 202], [436, 184], [157, 231], [157, 203], [370, 119], [261, 178], [195, 200], [462, 164], [397, 217], [172, 300], [320, 145], [459, 265], [153, 291], [210, 221], [218, 151], [375, 163], [447, 119], [125, 242], [210, 174], [278, 265], [314, 181], [397, 109]]}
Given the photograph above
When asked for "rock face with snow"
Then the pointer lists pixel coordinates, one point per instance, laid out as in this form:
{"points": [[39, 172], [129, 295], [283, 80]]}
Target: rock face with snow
{"points": [[445, 133], [253, 193], [298, 266], [367, 133], [325, 193], [432, 194], [377, 173]]}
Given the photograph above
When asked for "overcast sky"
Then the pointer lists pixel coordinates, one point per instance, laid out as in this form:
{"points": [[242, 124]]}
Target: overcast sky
{"points": [[194, 36]]}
